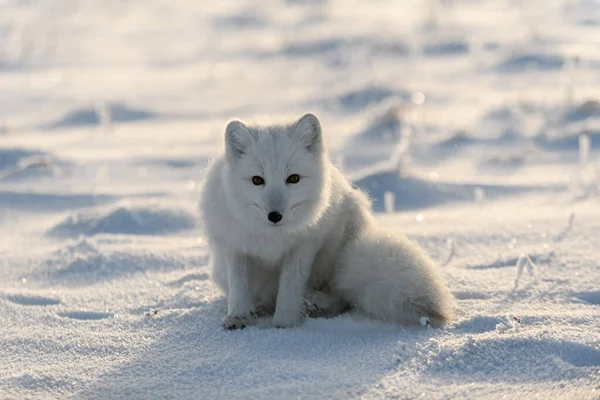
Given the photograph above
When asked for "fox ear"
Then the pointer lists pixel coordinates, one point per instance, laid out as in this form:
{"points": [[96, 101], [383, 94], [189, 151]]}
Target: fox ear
{"points": [[237, 139], [308, 128]]}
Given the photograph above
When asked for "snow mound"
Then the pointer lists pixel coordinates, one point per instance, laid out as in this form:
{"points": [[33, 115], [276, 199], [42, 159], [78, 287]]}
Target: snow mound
{"points": [[458, 141], [506, 125], [412, 193], [546, 359], [32, 300], [10, 158], [85, 315], [44, 202], [85, 262], [385, 127], [247, 19], [525, 62], [503, 113], [509, 159], [370, 95], [339, 46], [376, 142], [114, 112], [455, 141], [142, 220], [592, 297], [586, 110], [18, 164], [173, 162], [591, 22], [569, 141], [446, 48], [316, 47], [478, 324]]}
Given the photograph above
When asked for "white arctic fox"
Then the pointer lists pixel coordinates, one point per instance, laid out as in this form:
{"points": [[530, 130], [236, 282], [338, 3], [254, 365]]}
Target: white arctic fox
{"points": [[289, 235]]}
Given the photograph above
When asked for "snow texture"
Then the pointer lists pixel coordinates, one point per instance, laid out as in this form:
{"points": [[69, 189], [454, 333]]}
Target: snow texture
{"points": [[473, 125]]}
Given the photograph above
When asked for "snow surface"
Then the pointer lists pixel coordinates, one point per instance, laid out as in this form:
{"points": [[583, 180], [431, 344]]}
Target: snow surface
{"points": [[463, 119]]}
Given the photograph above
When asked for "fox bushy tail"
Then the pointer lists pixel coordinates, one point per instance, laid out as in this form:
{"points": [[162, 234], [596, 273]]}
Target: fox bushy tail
{"points": [[392, 279]]}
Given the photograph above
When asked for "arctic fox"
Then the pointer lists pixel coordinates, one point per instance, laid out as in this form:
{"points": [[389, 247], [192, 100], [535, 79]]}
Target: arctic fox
{"points": [[290, 236]]}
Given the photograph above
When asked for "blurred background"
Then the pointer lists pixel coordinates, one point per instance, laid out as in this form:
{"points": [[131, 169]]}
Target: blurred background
{"points": [[424, 103], [454, 90], [469, 89]]}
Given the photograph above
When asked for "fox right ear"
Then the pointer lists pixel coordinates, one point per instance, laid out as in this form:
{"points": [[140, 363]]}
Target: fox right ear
{"points": [[237, 139]]}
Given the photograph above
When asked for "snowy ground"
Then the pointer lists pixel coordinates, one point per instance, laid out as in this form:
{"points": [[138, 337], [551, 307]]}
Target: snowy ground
{"points": [[478, 120]]}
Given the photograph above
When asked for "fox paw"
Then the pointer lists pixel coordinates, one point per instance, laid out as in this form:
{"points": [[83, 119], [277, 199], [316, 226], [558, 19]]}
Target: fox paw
{"points": [[263, 311], [311, 308], [287, 320], [232, 323]]}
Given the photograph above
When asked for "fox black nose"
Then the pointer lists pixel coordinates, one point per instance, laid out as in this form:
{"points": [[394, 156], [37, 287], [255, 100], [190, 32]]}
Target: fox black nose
{"points": [[275, 216]]}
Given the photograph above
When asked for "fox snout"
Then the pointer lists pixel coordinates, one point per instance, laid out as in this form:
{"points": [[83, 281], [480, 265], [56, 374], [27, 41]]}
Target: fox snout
{"points": [[275, 203], [275, 216]]}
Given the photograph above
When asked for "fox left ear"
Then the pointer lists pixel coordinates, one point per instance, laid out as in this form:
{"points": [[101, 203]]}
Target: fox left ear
{"points": [[308, 128]]}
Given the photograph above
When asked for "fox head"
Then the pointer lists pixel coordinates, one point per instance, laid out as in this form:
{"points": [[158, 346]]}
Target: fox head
{"points": [[275, 176]]}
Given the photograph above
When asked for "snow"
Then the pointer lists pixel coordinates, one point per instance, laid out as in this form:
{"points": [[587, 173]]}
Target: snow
{"points": [[473, 125]]}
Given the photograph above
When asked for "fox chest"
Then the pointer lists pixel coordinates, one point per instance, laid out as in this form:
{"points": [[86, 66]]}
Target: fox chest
{"points": [[271, 252], [268, 251]]}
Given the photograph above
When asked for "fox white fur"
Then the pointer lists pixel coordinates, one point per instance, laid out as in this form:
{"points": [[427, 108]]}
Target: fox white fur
{"points": [[325, 254]]}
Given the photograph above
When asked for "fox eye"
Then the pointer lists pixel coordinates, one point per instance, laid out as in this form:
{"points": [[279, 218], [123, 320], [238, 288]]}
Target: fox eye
{"points": [[257, 180], [295, 178]]}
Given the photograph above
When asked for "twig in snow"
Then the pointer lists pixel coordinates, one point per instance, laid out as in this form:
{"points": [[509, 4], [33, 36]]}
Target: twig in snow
{"points": [[513, 324], [584, 149], [571, 68], [520, 265], [389, 200], [479, 195], [401, 158], [450, 245], [104, 115], [523, 261], [560, 236], [531, 269], [515, 321], [152, 312]]}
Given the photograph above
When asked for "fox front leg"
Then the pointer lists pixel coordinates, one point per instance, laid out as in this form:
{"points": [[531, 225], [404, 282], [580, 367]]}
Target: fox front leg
{"points": [[240, 306], [289, 308]]}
